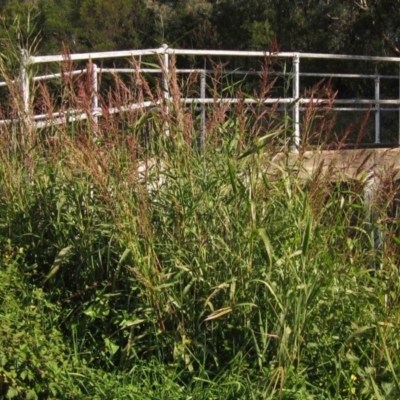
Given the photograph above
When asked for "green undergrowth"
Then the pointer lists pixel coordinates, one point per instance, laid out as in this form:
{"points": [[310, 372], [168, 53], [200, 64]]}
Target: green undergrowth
{"points": [[142, 261], [201, 276]]}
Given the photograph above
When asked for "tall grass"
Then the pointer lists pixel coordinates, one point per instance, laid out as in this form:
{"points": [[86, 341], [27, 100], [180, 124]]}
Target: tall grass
{"points": [[136, 265]]}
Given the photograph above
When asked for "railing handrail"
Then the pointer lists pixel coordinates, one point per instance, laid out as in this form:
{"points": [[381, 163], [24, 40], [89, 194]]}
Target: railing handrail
{"points": [[193, 52]]}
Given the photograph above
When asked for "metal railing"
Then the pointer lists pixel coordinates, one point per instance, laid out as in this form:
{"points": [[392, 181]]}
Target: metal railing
{"points": [[295, 102]]}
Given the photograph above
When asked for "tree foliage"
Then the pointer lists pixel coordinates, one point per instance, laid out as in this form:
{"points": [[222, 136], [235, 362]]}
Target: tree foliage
{"points": [[357, 26]]}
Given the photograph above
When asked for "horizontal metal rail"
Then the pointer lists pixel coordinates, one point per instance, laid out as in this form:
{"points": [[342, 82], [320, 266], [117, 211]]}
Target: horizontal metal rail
{"points": [[58, 75], [207, 71], [191, 52], [74, 115], [94, 56]]}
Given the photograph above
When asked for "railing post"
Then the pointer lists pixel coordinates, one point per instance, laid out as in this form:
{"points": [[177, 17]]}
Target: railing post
{"points": [[165, 83], [203, 108], [377, 111], [95, 90], [296, 106], [24, 84]]}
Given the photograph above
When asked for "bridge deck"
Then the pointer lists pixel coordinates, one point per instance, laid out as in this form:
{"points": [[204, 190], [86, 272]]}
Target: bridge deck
{"points": [[343, 164]]}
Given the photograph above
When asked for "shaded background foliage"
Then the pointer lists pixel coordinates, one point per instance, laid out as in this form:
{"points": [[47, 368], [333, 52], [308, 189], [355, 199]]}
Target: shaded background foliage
{"points": [[358, 26]]}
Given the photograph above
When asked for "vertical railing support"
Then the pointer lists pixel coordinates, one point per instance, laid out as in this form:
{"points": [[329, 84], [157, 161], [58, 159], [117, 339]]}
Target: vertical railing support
{"points": [[95, 91], [24, 84], [165, 83], [377, 111], [203, 108], [296, 105]]}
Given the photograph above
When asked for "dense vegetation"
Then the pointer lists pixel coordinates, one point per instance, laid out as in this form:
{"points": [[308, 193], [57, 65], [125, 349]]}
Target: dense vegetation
{"points": [[343, 26], [136, 265], [139, 265]]}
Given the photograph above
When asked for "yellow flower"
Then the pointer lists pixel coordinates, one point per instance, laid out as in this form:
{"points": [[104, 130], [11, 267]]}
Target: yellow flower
{"points": [[353, 377]]}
